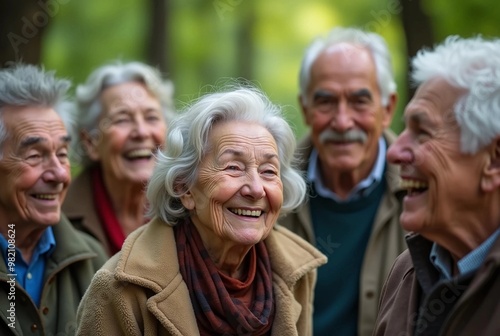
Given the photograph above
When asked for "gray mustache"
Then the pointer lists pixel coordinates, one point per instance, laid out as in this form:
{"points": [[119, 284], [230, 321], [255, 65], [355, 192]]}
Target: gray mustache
{"points": [[351, 135]]}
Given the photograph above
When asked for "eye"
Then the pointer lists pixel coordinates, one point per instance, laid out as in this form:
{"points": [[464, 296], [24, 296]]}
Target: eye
{"points": [[270, 172], [152, 118], [232, 167], [63, 155], [34, 158], [324, 104]]}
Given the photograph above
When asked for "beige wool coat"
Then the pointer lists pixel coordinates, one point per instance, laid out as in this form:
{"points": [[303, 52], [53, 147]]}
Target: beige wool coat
{"points": [[140, 290]]}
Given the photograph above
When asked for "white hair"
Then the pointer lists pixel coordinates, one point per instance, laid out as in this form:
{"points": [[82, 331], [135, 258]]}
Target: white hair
{"points": [[472, 64], [187, 138], [88, 103], [373, 42], [30, 85]]}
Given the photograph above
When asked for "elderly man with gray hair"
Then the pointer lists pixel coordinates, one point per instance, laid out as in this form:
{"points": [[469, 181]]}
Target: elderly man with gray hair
{"points": [[46, 264], [447, 282], [348, 97]]}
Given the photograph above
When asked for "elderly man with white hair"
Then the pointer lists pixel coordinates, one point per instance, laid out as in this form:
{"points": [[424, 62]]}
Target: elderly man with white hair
{"points": [[446, 283]]}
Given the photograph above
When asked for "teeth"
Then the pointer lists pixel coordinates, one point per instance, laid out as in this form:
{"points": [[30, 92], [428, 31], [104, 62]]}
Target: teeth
{"points": [[136, 153], [243, 212], [413, 184], [46, 196]]}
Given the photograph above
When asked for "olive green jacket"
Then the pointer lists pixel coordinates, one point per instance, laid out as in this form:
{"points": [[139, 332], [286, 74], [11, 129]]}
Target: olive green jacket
{"points": [[385, 243], [140, 290], [68, 273]]}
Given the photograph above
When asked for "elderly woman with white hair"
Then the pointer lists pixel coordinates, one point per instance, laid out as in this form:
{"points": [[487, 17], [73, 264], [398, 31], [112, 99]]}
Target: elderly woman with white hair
{"points": [[122, 115], [213, 260]]}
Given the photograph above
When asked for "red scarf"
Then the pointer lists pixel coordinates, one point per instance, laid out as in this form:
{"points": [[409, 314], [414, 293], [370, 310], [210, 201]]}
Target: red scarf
{"points": [[105, 212], [219, 301]]}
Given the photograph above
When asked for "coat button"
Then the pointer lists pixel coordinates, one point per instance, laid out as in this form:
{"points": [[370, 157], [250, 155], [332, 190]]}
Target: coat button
{"points": [[34, 327], [45, 310], [370, 294]]}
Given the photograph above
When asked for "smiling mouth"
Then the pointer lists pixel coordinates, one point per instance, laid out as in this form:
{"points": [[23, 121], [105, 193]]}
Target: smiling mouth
{"points": [[139, 154], [45, 197], [414, 187], [246, 213]]}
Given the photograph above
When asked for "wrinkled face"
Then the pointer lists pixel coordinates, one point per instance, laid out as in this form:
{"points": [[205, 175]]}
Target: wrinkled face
{"points": [[344, 110], [132, 128], [34, 169], [443, 183], [239, 193]]}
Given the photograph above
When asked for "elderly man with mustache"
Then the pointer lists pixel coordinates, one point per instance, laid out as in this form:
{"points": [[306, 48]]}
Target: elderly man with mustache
{"points": [[348, 97]]}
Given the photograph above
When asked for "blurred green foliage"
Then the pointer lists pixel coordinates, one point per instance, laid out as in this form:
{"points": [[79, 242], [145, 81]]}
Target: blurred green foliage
{"points": [[205, 38]]}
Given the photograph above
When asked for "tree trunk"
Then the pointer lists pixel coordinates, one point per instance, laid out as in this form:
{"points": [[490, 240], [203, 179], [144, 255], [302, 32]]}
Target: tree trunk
{"points": [[418, 31], [22, 24], [245, 46], [157, 47]]}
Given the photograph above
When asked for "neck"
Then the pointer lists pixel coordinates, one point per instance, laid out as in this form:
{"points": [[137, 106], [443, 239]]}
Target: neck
{"points": [[343, 182], [128, 201], [228, 256], [26, 237], [469, 230]]}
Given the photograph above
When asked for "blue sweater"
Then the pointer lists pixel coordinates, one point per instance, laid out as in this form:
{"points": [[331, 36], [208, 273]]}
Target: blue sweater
{"points": [[342, 231]]}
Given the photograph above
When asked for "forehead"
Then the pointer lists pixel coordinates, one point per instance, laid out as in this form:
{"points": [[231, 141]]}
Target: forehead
{"points": [[240, 134], [435, 99], [29, 120], [344, 62], [131, 93]]}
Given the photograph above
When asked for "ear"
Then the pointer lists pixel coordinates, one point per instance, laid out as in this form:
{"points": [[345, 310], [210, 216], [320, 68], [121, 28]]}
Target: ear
{"points": [[188, 201], [90, 145], [490, 180], [389, 110], [303, 108]]}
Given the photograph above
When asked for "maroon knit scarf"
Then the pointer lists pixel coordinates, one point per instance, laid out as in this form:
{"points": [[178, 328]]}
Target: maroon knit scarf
{"points": [[215, 310], [105, 212]]}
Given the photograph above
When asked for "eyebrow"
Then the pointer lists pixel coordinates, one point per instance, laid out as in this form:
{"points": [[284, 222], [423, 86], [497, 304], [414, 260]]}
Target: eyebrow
{"points": [[322, 94], [30, 141], [362, 93], [239, 153], [418, 118]]}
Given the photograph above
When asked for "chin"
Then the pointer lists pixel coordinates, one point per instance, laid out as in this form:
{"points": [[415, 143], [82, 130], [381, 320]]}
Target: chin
{"points": [[410, 222], [46, 221]]}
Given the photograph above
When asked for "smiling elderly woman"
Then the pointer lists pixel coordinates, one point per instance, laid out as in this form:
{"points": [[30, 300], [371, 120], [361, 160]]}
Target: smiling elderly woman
{"points": [[123, 110], [213, 261]]}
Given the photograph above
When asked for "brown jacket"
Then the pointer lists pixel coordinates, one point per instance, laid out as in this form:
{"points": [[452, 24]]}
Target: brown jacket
{"points": [[385, 244], [475, 312], [80, 209], [140, 290]]}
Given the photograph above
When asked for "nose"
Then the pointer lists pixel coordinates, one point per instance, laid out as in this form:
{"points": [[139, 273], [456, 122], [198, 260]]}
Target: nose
{"points": [[342, 118], [56, 171], [141, 129], [253, 188], [400, 152]]}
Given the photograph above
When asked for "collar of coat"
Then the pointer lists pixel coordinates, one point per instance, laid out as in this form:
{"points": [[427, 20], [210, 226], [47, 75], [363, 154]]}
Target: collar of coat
{"points": [[149, 256]]}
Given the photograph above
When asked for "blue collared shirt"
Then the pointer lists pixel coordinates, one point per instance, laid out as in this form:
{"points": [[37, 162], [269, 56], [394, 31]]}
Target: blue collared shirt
{"points": [[30, 277], [362, 188], [441, 258]]}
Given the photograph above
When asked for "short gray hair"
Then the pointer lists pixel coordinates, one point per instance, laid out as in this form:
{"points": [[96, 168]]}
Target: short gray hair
{"points": [[373, 42], [26, 85], [472, 64], [187, 139], [88, 103]]}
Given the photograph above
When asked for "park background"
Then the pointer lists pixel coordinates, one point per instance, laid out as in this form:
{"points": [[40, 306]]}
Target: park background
{"points": [[201, 44]]}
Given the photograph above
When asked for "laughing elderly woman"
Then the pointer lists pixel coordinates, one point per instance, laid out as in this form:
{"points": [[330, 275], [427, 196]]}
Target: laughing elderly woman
{"points": [[123, 110], [213, 261]]}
